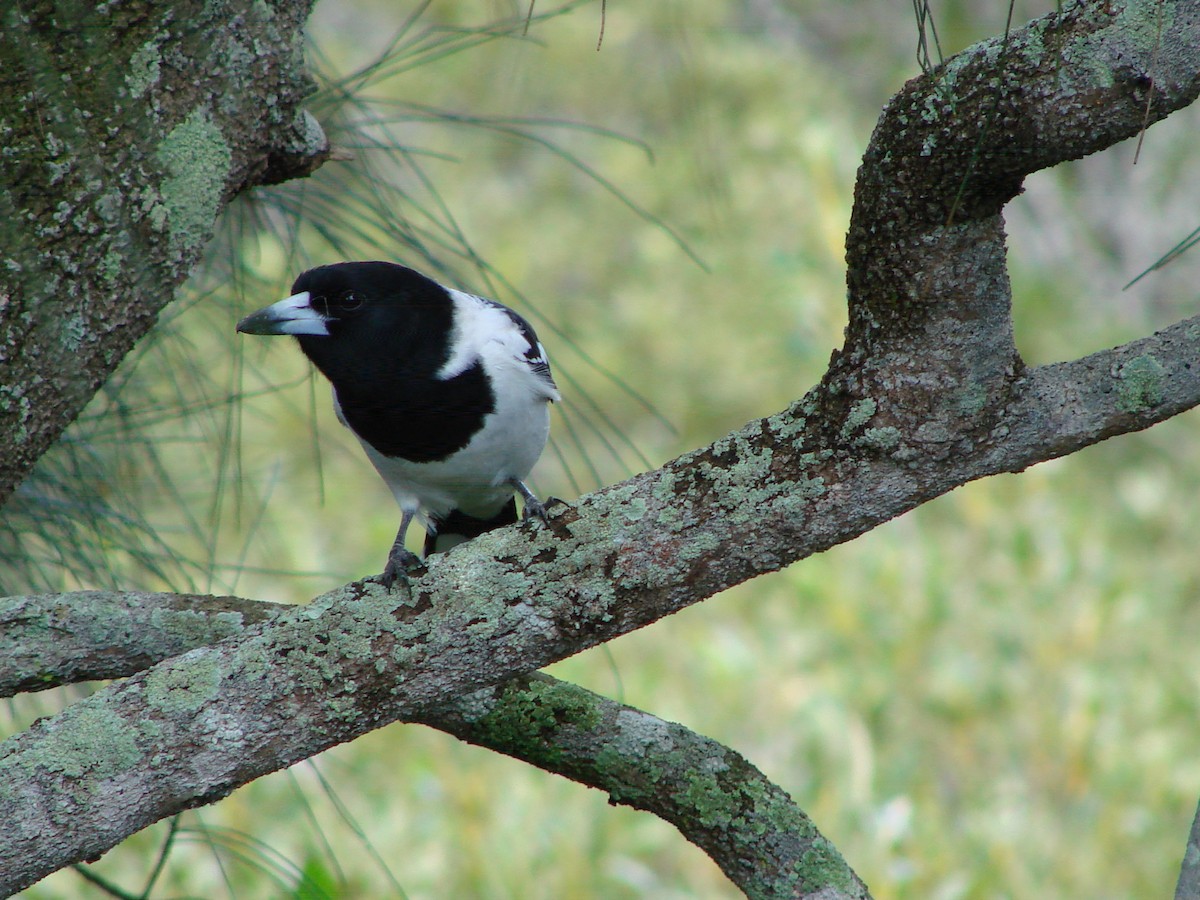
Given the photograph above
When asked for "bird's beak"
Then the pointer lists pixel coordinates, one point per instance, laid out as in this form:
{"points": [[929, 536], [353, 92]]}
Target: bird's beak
{"points": [[292, 315]]}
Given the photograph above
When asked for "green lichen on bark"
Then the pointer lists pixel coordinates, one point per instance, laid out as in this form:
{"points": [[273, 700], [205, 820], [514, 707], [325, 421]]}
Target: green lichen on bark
{"points": [[524, 718], [86, 742], [1141, 384], [196, 158], [186, 686], [860, 414]]}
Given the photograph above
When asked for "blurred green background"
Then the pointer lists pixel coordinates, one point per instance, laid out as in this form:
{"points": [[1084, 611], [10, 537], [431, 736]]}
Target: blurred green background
{"points": [[989, 697]]}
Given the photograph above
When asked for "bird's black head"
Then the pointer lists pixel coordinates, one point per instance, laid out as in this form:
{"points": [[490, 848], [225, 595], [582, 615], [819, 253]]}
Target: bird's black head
{"points": [[363, 322]]}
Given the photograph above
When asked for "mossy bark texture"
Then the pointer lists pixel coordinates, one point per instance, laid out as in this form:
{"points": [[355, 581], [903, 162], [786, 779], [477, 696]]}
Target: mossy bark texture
{"points": [[125, 128]]}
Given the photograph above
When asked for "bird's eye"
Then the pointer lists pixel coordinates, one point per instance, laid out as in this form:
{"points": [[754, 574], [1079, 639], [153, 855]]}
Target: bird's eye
{"points": [[348, 302]]}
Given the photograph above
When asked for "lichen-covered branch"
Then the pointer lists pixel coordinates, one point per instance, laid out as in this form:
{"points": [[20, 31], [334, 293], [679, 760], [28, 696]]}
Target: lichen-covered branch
{"points": [[54, 639], [190, 729], [126, 129], [752, 829], [1058, 409], [930, 322]]}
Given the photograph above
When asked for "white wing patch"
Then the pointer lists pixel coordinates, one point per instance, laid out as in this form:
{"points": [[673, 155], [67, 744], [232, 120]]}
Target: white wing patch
{"points": [[475, 323], [484, 327]]}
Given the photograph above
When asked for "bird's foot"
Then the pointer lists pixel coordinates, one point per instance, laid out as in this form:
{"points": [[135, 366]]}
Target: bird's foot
{"points": [[534, 509], [400, 563]]}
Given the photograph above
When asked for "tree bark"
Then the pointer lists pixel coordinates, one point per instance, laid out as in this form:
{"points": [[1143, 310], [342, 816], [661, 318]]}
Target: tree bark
{"points": [[927, 394], [749, 826], [126, 130]]}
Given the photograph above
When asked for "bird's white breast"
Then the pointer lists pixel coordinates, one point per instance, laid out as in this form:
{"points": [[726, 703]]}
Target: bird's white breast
{"points": [[476, 479]]}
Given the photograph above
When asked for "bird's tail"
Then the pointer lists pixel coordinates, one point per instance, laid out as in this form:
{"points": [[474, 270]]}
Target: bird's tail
{"points": [[456, 527]]}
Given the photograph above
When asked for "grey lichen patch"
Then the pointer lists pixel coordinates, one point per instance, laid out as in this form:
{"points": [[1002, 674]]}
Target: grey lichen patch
{"points": [[87, 741], [937, 104], [664, 490], [318, 656], [224, 730], [933, 432], [1143, 24], [144, 67], [1141, 384], [744, 481], [149, 730], [697, 546], [1134, 39], [631, 763], [196, 158], [637, 732], [971, 399], [796, 503], [72, 333], [883, 439], [486, 583], [860, 414], [185, 685], [787, 426], [606, 534], [309, 137], [193, 627], [15, 400], [1030, 47], [262, 11], [1090, 62], [341, 706], [748, 488], [108, 206]]}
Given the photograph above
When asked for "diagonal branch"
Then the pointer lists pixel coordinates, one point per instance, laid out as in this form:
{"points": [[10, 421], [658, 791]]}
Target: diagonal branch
{"points": [[504, 604], [55, 639], [750, 827]]}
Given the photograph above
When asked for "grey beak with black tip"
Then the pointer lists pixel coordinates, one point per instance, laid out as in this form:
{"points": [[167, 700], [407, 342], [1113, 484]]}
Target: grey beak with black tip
{"points": [[292, 315]]}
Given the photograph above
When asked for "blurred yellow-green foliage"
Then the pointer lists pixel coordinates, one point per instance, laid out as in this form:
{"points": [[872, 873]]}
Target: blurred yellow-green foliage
{"points": [[989, 697]]}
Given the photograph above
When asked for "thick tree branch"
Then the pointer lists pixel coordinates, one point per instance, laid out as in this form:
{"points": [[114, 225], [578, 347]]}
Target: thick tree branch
{"points": [[192, 728], [750, 827], [930, 323], [927, 393], [126, 130], [54, 639], [1061, 408]]}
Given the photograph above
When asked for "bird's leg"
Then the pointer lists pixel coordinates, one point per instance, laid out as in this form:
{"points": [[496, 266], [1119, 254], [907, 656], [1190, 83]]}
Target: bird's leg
{"points": [[534, 508], [400, 559]]}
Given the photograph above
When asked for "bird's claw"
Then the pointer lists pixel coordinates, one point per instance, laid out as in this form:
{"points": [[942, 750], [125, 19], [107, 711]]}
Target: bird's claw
{"points": [[399, 564], [534, 509]]}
